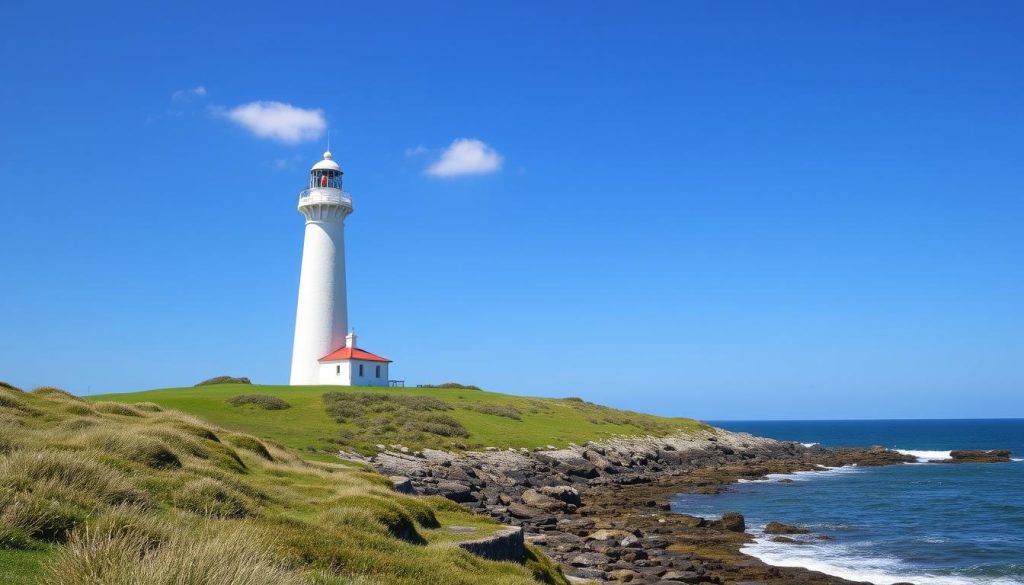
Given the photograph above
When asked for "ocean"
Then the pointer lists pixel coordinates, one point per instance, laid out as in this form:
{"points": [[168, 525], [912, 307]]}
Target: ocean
{"points": [[919, 523]]}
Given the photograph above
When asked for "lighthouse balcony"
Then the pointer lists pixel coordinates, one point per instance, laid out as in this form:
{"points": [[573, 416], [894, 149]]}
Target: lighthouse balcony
{"points": [[325, 196]]}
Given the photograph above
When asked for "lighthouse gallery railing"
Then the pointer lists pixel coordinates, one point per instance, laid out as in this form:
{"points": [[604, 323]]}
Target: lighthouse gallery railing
{"points": [[326, 195]]}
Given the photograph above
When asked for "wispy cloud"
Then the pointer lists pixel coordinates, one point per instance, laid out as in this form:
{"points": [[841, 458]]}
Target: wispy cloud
{"points": [[183, 95], [278, 121], [465, 156]]}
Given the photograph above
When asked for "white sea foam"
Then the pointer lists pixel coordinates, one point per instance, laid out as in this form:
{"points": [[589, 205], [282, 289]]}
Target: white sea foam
{"points": [[802, 475], [926, 456], [850, 563], [810, 444]]}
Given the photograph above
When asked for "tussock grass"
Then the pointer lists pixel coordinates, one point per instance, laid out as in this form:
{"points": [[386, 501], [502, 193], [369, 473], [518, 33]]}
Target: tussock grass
{"points": [[55, 393], [116, 408], [250, 443], [147, 407], [156, 497], [264, 401]]}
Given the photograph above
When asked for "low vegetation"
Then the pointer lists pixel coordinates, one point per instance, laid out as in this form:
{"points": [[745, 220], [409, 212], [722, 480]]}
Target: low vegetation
{"points": [[264, 401], [112, 493], [224, 380], [324, 419]]}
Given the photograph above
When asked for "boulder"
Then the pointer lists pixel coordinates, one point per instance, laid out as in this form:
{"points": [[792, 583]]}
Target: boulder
{"points": [[455, 491], [589, 559], [732, 521], [567, 494], [780, 528], [609, 534], [535, 499]]}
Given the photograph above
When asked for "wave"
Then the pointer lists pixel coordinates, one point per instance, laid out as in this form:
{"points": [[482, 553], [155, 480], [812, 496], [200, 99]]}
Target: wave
{"points": [[848, 563], [925, 456], [809, 445], [802, 475]]}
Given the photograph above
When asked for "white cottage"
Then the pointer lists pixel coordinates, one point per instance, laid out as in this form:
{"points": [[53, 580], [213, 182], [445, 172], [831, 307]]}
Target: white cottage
{"points": [[351, 366]]}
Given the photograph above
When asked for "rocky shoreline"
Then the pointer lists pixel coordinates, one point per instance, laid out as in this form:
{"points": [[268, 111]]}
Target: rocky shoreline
{"points": [[601, 510]]}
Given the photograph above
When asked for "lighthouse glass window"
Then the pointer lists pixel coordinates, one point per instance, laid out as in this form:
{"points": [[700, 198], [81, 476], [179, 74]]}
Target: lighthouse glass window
{"points": [[325, 179]]}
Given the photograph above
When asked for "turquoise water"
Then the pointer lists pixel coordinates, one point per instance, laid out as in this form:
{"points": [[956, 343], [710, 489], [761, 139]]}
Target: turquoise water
{"points": [[923, 523]]}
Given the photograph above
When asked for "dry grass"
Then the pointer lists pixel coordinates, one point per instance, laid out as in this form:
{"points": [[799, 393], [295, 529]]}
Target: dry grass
{"points": [[116, 494]]}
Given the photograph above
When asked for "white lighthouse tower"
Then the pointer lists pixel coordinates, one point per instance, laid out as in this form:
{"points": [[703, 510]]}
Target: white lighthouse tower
{"points": [[323, 351], [321, 319]]}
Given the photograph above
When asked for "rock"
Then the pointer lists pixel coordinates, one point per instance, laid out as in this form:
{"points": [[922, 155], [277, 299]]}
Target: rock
{"points": [[455, 491], [733, 522], [780, 528], [403, 485], [682, 577], [993, 456], [609, 534], [535, 499], [787, 540], [524, 512], [589, 559], [564, 493]]}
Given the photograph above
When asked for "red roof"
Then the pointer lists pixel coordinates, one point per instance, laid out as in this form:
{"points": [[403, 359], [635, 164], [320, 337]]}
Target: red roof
{"points": [[352, 353]]}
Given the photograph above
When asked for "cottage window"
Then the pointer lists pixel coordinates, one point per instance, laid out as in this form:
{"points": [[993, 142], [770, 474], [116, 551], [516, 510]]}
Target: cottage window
{"points": [[338, 370], [378, 371], [360, 369]]}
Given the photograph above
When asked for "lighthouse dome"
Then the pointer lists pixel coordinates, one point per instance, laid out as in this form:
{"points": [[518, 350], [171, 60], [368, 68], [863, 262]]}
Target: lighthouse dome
{"points": [[327, 164]]}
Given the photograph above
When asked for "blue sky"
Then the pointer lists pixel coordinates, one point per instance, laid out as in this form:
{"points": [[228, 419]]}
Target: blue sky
{"points": [[719, 209]]}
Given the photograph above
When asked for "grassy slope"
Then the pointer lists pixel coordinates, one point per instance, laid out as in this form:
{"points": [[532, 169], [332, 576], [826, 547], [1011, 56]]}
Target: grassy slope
{"points": [[95, 492], [306, 425]]}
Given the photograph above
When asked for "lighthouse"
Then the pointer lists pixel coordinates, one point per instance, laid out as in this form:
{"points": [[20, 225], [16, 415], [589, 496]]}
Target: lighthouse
{"points": [[324, 352]]}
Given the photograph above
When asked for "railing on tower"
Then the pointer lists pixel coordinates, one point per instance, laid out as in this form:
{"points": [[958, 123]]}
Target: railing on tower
{"points": [[325, 195]]}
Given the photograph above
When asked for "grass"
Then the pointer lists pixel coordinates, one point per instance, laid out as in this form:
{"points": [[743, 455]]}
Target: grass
{"points": [[323, 419], [121, 493]]}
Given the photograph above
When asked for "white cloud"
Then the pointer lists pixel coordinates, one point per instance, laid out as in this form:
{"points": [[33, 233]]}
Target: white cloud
{"points": [[187, 94], [466, 156], [278, 121]]}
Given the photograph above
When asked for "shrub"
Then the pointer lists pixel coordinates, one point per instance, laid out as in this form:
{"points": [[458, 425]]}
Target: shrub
{"points": [[224, 380], [250, 443], [210, 497], [453, 385], [264, 401], [504, 410], [439, 424], [11, 387]]}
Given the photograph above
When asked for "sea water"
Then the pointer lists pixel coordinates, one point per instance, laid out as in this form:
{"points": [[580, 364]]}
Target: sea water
{"points": [[921, 523]]}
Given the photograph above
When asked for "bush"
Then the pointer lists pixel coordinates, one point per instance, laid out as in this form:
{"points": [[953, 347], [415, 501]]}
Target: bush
{"points": [[210, 497], [439, 424], [453, 385], [264, 401], [504, 410], [148, 407], [224, 380]]}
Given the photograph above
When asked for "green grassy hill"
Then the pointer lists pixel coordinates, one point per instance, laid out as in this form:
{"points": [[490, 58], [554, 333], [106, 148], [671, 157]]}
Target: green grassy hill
{"points": [[326, 418], [120, 493]]}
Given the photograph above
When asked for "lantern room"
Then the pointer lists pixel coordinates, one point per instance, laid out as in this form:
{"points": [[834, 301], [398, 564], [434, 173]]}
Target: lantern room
{"points": [[325, 174]]}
